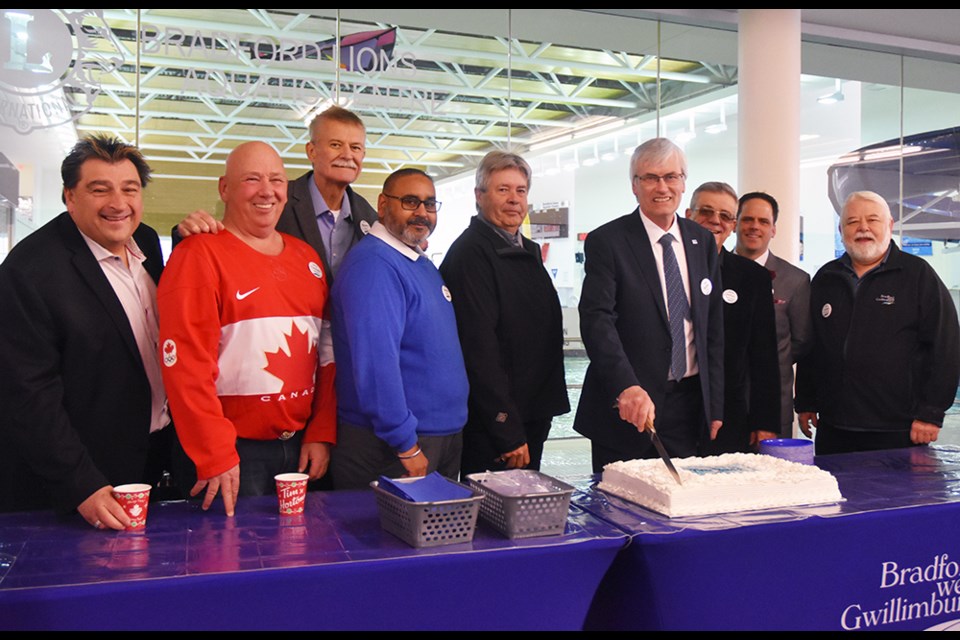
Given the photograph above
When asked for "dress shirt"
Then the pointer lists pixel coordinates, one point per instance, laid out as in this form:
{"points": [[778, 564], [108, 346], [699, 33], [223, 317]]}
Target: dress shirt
{"points": [[137, 293], [654, 233], [335, 244]]}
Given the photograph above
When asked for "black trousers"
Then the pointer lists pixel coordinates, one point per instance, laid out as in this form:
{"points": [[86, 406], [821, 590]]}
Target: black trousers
{"points": [[680, 423], [479, 454], [830, 439]]}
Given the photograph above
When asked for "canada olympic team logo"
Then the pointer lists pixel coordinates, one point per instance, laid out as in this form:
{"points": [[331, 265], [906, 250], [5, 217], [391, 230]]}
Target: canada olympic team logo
{"points": [[51, 63]]}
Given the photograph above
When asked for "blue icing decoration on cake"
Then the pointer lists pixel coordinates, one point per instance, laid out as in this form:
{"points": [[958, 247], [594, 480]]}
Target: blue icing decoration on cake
{"points": [[706, 471]]}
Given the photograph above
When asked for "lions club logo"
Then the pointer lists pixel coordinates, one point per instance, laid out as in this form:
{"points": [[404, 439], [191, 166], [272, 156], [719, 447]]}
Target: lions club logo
{"points": [[51, 63]]}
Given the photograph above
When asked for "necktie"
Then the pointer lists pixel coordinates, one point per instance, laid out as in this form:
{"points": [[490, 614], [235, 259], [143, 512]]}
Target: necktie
{"points": [[326, 231], [678, 309]]}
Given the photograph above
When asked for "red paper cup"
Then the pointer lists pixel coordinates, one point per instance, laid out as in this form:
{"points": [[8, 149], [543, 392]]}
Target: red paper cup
{"points": [[134, 498], [291, 492]]}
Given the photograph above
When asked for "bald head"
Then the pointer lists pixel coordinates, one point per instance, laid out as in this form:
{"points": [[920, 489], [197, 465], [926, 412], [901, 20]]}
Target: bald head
{"points": [[253, 188]]}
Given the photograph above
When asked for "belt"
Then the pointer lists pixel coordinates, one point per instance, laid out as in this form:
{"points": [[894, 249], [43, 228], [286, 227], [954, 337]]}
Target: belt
{"points": [[687, 384]]}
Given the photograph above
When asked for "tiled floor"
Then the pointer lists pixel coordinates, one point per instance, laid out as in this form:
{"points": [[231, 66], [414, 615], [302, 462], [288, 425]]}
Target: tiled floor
{"points": [[568, 454]]}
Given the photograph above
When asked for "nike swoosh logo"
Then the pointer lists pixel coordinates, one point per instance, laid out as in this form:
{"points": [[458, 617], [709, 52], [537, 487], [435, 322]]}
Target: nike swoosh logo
{"points": [[241, 296]]}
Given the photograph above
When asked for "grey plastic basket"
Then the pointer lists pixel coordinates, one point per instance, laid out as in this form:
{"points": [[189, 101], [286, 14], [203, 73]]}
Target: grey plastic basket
{"points": [[428, 524], [525, 516]]}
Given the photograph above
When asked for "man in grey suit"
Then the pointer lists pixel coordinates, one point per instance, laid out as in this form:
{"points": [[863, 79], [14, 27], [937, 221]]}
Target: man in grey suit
{"points": [[756, 226], [322, 209]]}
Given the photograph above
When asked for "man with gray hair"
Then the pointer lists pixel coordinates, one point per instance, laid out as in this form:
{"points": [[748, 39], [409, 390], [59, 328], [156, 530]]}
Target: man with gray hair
{"points": [[651, 321], [751, 404], [886, 354], [510, 325]]}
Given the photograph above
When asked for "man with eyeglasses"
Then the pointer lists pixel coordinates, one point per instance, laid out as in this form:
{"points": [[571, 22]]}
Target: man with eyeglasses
{"points": [[511, 325], [401, 383], [651, 321], [751, 398], [757, 215]]}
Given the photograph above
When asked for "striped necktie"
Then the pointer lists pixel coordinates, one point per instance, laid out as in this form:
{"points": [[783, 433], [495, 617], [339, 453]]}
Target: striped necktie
{"points": [[678, 308]]}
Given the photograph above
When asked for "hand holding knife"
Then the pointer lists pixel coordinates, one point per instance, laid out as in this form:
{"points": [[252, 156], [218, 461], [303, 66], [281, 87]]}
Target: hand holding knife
{"points": [[644, 406]]}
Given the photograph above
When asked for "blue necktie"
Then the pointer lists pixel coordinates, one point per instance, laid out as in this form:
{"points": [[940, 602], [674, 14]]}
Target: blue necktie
{"points": [[678, 309]]}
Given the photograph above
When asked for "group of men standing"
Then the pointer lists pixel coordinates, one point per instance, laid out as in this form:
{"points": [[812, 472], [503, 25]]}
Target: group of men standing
{"points": [[308, 331], [238, 342], [702, 348]]}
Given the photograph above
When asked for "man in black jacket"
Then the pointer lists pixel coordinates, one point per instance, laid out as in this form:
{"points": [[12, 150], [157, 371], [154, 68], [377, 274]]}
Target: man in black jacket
{"points": [[886, 355], [751, 387], [82, 405], [510, 325]]}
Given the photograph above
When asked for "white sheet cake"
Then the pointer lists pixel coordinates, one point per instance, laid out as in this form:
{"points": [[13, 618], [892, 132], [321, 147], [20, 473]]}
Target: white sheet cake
{"points": [[719, 484]]}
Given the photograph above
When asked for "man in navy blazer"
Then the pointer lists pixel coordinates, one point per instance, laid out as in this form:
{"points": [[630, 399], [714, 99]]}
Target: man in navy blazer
{"points": [[751, 401], [625, 326], [82, 406]]}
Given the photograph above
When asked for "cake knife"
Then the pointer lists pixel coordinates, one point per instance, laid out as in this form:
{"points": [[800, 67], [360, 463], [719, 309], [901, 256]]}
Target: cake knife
{"points": [[659, 446], [662, 451]]}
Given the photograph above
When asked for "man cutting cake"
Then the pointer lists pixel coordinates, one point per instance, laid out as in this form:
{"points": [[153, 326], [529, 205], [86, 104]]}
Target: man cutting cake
{"points": [[651, 321]]}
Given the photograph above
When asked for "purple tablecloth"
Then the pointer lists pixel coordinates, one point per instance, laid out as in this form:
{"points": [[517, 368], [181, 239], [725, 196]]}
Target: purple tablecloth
{"points": [[332, 568], [886, 558]]}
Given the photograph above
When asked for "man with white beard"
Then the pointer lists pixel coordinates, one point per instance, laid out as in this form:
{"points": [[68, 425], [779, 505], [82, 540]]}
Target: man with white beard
{"points": [[886, 356]]}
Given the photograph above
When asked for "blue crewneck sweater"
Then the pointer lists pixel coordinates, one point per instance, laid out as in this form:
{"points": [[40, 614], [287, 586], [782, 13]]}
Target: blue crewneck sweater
{"points": [[400, 370]]}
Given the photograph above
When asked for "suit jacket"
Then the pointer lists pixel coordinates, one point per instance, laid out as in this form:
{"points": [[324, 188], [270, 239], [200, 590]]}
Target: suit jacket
{"points": [[791, 293], [300, 220], [75, 400], [751, 367], [623, 323]]}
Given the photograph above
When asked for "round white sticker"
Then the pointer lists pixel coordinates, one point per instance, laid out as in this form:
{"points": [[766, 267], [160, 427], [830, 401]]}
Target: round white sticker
{"points": [[730, 296], [316, 270], [826, 311], [364, 227], [446, 293], [706, 286], [169, 353]]}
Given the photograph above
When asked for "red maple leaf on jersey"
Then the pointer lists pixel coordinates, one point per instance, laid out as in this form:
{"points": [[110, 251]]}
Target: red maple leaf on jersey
{"points": [[297, 369]]}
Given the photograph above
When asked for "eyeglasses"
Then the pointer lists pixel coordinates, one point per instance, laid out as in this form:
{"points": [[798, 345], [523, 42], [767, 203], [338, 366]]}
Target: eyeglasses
{"points": [[709, 212], [412, 203], [652, 179]]}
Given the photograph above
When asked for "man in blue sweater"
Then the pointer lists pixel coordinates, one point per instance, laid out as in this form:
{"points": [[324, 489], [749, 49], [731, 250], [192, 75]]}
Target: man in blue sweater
{"points": [[401, 382]]}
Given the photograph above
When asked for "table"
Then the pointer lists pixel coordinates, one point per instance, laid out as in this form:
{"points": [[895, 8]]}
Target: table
{"points": [[332, 568], [887, 558]]}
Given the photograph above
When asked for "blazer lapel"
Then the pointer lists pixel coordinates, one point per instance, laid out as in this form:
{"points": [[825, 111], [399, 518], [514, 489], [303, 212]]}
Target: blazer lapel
{"points": [[696, 265], [92, 274], [639, 243], [301, 204], [356, 212]]}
